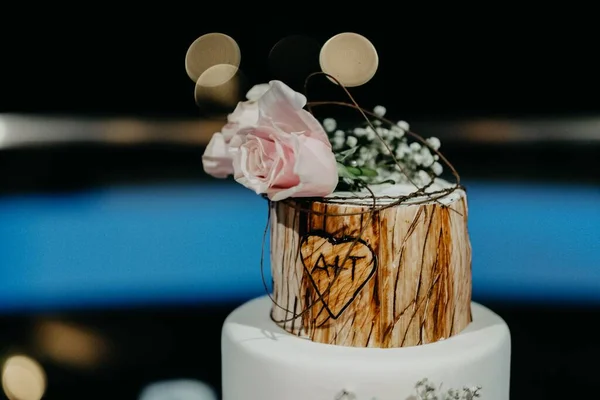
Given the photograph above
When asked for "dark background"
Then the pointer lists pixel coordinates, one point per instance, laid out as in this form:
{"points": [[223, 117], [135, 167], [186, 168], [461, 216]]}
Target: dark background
{"points": [[443, 63], [110, 61]]}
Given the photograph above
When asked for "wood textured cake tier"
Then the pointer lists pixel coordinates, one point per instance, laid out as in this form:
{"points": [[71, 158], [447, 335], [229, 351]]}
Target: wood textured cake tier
{"points": [[346, 275]]}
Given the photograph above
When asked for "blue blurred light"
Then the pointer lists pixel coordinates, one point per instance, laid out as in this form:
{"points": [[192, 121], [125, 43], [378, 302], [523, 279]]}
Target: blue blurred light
{"points": [[194, 244]]}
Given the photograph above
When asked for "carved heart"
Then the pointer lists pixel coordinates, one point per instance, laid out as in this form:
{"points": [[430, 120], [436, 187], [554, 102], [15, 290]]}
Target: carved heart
{"points": [[337, 282]]}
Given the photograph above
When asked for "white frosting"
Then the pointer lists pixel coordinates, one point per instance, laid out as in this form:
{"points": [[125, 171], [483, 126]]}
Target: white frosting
{"points": [[262, 361], [388, 193]]}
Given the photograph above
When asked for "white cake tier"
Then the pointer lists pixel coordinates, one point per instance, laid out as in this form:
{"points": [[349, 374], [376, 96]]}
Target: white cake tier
{"points": [[262, 361]]}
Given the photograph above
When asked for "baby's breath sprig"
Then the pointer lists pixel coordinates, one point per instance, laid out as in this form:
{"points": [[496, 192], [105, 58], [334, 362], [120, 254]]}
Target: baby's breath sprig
{"points": [[426, 390], [363, 154]]}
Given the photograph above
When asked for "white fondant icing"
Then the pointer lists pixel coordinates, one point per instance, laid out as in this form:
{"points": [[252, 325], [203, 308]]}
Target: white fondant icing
{"points": [[262, 361], [388, 193]]}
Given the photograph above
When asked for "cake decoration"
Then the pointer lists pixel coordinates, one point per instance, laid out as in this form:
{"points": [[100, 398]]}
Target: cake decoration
{"points": [[426, 390], [369, 245], [322, 265], [262, 361], [350, 57]]}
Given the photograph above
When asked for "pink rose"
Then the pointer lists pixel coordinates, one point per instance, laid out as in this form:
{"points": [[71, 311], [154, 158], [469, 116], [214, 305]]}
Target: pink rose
{"points": [[216, 159], [287, 153]]}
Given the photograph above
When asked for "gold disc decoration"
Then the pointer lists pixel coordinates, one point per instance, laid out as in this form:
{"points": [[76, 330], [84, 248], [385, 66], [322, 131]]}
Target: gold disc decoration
{"points": [[210, 50], [350, 58], [221, 84], [293, 58]]}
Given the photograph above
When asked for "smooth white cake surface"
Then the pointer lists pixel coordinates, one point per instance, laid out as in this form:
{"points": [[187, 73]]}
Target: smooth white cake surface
{"points": [[262, 361]]}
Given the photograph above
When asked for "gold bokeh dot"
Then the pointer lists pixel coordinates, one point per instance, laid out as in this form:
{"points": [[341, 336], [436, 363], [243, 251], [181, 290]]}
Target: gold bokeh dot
{"points": [[219, 84], [23, 378], [350, 58], [210, 50]]}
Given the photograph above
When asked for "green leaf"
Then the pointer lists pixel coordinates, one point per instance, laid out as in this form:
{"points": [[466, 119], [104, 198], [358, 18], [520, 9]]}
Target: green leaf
{"points": [[359, 171], [343, 155], [344, 172]]}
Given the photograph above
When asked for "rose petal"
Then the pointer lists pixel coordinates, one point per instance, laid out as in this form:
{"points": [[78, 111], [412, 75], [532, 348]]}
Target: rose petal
{"points": [[257, 91], [316, 169], [284, 176], [245, 115], [216, 159], [253, 151], [249, 172], [282, 105]]}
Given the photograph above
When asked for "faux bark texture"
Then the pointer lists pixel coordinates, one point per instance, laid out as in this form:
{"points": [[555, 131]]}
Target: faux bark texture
{"points": [[395, 277]]}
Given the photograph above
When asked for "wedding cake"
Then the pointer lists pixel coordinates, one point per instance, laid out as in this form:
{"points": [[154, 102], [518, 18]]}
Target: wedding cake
{"points": [[370, 262]]}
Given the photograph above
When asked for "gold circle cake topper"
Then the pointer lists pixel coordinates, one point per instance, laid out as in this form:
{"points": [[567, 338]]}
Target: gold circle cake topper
{"points": [[220, 83], [350, 58], [210, 50]]}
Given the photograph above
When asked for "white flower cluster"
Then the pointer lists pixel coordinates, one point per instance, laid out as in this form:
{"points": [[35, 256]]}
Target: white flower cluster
{"points": [[427, 391], [369, 149]]}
